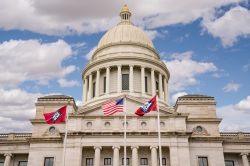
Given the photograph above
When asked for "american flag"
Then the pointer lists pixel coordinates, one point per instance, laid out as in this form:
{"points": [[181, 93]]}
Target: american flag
{"points": [[112, 107]]}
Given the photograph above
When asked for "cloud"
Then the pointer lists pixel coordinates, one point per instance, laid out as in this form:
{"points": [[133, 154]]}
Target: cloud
{"points": [[16, 108], [74, 17], [175, 96], [235, 117], [233, 24], [231, 87], [152, 34], [244, 104], [184, 70], [32, 60], [68, 83]]}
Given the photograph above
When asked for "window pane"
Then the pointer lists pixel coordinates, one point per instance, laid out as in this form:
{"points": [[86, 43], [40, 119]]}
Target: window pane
{"points": [[146, 84], [164, 161], [94, 89], [104, 84], [125, 82], [23, 163], [229, 163], [127, 162], [107, 161], [48, 161], [144, 161], [89, 161], [203, 161]]}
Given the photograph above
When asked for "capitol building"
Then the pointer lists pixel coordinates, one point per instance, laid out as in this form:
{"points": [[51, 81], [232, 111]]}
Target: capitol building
{"points": [[126, 65]]}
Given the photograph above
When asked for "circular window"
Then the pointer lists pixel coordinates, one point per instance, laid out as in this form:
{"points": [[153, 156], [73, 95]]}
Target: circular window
{"points": [[162, 124], [52, 130], [89, 124], [143, 124], [199, 129], [107, 124]]}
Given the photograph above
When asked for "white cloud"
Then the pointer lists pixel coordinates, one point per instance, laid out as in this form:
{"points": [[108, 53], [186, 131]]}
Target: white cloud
{"points": [[68, 17], [152, 34], [68, 83], [23, 60], [231, 87], [175, 96], [184, 70], [244, 104], [233, 24], [235, 117], [16, 108], [90, 53]]}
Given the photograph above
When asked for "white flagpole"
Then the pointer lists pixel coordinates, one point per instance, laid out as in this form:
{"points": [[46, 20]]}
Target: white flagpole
{"points": [[65, 136], [125, 133], [159, 131]]}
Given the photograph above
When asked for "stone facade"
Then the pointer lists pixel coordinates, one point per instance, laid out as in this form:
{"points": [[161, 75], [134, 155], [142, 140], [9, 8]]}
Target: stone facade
{"points": [[126, 65]]}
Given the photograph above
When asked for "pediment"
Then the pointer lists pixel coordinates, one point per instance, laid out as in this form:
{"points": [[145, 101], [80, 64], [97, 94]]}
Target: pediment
{"points": [[132, 104]]}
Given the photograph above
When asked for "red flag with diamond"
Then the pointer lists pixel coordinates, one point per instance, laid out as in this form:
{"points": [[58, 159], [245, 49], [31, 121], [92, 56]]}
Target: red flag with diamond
{"points": [[147, 107]]}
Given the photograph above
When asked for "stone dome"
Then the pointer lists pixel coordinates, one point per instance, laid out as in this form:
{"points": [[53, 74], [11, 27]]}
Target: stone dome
{"points": [[125, 33]]}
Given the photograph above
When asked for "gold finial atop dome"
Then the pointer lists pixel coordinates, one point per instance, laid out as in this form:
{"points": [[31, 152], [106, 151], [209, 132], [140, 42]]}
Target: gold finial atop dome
{"points": [[125, 14], [125, 8]]}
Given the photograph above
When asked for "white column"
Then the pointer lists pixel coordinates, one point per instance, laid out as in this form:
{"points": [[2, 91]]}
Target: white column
{"points": [[90, 87], [131, 79], [97, 83], [85, 89], [116, 155], [154, 155], [7, 159], [143, 80], [160, 87], [119, 78], [107, 79], [153, 89], [244, 159], [135, 155], [165, 89], [97, 155]]}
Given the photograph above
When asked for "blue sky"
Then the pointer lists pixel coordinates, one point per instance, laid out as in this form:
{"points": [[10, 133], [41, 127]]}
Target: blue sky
{"points": [[45, 45]]}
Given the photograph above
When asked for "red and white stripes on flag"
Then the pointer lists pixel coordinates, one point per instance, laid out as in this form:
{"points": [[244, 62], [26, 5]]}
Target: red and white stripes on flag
{"points": [[112, 107]]}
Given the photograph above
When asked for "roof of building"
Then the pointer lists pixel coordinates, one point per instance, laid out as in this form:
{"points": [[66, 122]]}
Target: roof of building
{"points": [[125, 32]]}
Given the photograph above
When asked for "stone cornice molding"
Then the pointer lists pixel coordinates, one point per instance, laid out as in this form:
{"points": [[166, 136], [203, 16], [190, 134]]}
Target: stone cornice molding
{"points": [[157, 63]]}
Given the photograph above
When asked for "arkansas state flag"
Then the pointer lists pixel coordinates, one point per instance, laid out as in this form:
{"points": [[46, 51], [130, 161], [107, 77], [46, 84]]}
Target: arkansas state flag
{"points": [[147, 107], [58, 116]]}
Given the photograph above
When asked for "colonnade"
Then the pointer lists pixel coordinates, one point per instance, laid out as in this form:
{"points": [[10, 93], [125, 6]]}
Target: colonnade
{"points": [[135, 158], [88, 83]]}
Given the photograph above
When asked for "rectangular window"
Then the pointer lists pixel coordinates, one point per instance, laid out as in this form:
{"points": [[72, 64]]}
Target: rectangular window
{"points": [[146, 84], [104, 84], [127, 161], [48, 161], [203, 161], [89, 161], [229, 163], [94, 89], [125, 82], [107, 161], [22, 163], [157, 85], [144, 161], [164, 161]]}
